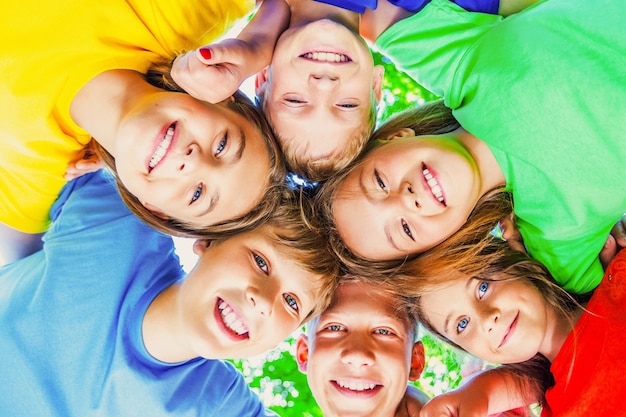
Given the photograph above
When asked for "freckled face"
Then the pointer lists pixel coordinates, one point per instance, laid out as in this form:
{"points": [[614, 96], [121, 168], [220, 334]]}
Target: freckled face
{"points": [[406, 196], [498, 321], [320, 87], [244, 297], [359, 358], [194, 161]]}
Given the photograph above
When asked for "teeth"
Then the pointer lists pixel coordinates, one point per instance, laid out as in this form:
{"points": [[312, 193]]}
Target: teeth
{"points": [[435, 188], [162, 149], [356, 386], [326, 57], [231, 320]]}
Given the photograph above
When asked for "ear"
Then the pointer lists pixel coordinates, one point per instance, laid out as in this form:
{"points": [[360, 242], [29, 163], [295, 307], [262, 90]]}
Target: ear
{"points": [[260, 82], [200, 246], [302, 352], [155, 210], [405, 132], [377, 81], [417, 361]]}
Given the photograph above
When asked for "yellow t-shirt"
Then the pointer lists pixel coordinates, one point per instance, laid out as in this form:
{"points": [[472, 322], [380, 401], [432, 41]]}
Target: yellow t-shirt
{"points": [[49, 50]]}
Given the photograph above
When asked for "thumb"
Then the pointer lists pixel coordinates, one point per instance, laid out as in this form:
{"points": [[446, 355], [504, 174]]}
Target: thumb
{"points": [[608, 251]]}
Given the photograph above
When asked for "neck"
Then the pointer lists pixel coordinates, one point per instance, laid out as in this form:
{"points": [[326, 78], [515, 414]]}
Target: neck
{"points": [[490, 172], [562, 326], [307, 11], [161, 328], [100, 106]]}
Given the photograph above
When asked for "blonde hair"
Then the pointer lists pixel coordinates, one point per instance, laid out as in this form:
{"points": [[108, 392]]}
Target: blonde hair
{"points": [[322, 169], [159, 76]]}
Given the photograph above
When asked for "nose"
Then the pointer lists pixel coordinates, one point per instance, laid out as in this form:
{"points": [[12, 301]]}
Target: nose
{"points": [[489, 317], [188, 160], [357, 352], [323, 80], [261, 298], [406, 197]]}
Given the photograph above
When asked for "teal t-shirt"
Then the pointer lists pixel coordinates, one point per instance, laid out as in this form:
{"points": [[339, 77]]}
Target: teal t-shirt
{"points": [[546, 90]]}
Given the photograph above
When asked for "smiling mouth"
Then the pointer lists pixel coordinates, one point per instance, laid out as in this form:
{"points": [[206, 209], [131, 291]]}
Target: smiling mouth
{"points": [[231, 319], [357, 389], [509, 331], [162, 147], [322, 56], [433, 184]]}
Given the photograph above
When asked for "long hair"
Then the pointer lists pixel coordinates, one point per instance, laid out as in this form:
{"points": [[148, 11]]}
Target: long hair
{"points": [[159, 76]]}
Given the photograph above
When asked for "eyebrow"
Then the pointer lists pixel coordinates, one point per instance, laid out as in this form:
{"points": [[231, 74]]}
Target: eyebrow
{"points": [[447, 321], [212, 205], [242, 145]]}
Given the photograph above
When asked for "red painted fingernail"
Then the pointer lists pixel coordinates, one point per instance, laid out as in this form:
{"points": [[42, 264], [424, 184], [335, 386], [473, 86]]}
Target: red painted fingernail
{"points": [[205, 52]]}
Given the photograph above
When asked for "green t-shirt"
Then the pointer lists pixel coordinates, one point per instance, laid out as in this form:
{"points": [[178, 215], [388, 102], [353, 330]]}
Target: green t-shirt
{"points": [[546, 90]]}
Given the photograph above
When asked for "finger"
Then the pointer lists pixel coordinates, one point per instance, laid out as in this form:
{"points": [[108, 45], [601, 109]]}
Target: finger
{"points": [[608, 251]]}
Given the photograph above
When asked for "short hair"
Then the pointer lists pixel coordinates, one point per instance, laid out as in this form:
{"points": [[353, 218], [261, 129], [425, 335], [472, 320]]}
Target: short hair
{"points": [[159, 75], [299, 239], [322, 169]]}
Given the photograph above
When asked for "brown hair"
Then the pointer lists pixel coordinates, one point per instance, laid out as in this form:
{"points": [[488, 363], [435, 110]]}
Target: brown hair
{"points": [[429, 119], [301, 240], [159, 76], [322, 169], [495, 261]]}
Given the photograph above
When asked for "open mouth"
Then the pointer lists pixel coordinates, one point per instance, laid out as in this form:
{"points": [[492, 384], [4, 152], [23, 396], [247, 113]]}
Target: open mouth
{"points": [[433, 185], [352, 388], [162, 147], [232, 322], [324, 56]]}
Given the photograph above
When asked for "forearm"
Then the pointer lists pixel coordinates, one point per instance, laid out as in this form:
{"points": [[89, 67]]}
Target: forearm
{"points": [[375, 22], [262, 32]]}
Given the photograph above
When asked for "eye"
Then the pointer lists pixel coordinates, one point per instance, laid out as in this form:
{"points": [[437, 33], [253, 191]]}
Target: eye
{"points": [[222, 144], [463, 323], [482, 289], [291, 302], [261, 263], [384, 332], [334, 328], [379, 181], [196, 195], [407, 229], [348, 105]]}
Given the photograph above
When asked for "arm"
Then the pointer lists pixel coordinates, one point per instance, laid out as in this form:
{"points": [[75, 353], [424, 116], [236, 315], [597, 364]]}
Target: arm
{"points": [[214, 72], [412, 402], [493, 391]]}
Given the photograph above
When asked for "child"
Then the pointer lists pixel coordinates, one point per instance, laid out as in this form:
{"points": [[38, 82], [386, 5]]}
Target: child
{"points": [[75, 72], [540, 147], [103, 321], [360, 353], [516, 311], [320, 90]]}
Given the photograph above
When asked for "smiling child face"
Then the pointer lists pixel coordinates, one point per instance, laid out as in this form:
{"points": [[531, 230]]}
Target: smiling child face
{"points": [[360, 354], [244, 297]]}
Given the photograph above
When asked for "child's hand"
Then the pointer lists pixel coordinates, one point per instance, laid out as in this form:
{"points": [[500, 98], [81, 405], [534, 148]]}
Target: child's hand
{"points": [[214, 72], [614, 243], [89, 162]]}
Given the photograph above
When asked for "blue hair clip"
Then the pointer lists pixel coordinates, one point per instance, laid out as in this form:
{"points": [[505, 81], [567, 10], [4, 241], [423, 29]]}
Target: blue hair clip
{"points": [[296, 182]]}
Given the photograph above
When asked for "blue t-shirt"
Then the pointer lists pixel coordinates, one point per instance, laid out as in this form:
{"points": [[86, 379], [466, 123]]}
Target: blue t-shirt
{"points": [[71, 316], [359, 6]]}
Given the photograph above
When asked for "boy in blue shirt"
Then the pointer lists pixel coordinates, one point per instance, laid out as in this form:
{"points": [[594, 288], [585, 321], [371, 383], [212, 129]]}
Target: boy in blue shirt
{"points": [[103, 321]]}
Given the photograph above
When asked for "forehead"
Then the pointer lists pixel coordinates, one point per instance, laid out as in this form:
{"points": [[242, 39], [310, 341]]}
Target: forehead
{"points": [[364, 302]]}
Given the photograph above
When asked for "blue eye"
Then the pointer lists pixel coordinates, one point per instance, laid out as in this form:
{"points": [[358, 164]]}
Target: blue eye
{"points": [[222, 144], [261, 263], [335, 328], [462, 325], [291, 302], [385, 332], [379, 181], [482, 289], [196, 194]]}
